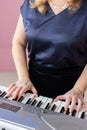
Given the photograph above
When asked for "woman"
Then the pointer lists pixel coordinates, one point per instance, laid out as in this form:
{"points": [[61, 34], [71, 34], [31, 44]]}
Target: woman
{"points": [[56, 34]]}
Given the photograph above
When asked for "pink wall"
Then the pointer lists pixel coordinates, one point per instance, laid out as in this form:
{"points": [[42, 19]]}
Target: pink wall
{"points": [[9, 12]]}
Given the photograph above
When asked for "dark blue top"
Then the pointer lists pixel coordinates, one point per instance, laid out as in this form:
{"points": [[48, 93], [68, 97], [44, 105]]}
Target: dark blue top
{"points": [[56, 40]]}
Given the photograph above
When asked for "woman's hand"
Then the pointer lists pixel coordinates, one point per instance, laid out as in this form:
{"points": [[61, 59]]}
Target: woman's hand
{"points": [[17, 89], [73, 97]]}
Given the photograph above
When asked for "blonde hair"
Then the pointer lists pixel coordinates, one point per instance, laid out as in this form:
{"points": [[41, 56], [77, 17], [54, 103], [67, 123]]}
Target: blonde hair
{"points": [[73, 5]]}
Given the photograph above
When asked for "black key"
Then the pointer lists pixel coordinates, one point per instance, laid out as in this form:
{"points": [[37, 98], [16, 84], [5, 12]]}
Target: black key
{"points": [[15, 99], [6, 97], [0, 91], [3, 94], [68, 112], [74, 113], [20, 99], [34, 102], [53, 107], [39, 104], [29, 101], [62, 110], [83, 115], [47, 106]]}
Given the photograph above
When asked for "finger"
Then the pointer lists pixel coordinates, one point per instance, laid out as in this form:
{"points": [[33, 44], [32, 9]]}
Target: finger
{"points": [[73, 104], [22, 91], [84, 102], [79, 105], [86, 107], [9, 93], [11, 86], [61, 97], [15, 94], [34, 91], [67, 103]]}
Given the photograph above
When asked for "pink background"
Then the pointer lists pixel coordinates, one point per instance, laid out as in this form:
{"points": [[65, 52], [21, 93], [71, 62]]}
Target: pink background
{"points": [[9, 13]]}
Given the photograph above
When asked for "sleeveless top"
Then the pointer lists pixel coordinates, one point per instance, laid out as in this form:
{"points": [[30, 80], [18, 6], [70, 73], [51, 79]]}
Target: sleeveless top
{"points": [[57, 41]]}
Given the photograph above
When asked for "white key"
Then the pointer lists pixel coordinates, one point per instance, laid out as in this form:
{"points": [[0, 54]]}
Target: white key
{"points": [[45, 102], [3, 88], [80, 113], [12, 126], [26, 98], [60, 107], [86, 115], [36, 100], [57, 104], [31, 97]]}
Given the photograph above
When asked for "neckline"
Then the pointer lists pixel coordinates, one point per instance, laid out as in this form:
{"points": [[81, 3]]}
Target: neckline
{"points": [[51, 10]]}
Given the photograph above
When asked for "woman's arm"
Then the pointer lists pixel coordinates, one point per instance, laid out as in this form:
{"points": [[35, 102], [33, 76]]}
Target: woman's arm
{"points": [[19, 44], [19, 51]]}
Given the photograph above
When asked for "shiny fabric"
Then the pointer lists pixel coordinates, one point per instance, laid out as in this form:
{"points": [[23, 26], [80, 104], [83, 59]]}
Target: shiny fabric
{"points": [[58, 41], [50, 82], [57, 47]]}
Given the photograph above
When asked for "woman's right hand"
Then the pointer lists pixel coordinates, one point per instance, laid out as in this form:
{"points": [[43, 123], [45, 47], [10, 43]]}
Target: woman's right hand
{"points": [[17, 89]]}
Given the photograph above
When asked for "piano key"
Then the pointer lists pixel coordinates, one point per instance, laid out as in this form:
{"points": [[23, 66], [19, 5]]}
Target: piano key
{"points": [[3, 94], [45, 102], [39, 104], [81, 113], [30, 98], [37, 100], [34, 102], [0, 91], [62, 110], [86, 115], [20, 99], [77, 114], [3, 88], [67, 112], [26, 98], [61, 107], [23, 99], [55, 105], [74, 113]]}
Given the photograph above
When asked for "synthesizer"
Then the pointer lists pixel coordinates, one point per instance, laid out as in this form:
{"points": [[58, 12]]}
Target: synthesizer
{"points": [[38, 113]]}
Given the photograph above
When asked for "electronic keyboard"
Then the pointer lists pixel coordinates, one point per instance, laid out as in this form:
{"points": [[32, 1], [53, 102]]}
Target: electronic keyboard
{"points": [[38, 113]]}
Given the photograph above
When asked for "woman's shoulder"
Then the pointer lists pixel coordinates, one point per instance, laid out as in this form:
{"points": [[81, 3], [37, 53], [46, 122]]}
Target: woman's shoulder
{"points": [[24, 8], [25, 2]]}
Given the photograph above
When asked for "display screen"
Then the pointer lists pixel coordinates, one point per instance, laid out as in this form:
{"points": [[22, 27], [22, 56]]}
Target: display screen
{"points": [[10, 107]]}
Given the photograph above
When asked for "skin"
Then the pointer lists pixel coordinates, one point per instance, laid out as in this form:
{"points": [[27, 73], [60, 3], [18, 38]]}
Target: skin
{"points": [[17, 89]]}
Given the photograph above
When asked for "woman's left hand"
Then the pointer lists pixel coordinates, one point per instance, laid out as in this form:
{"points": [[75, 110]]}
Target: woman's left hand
{"points": [[71, 98]]}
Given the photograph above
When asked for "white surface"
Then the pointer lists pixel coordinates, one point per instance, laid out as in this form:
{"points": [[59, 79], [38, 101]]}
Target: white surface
{"points": [[9, 126]]}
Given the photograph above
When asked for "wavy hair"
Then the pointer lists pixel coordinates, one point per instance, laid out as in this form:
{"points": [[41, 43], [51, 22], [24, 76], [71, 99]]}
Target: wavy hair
{"points": [[73, 5]]}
